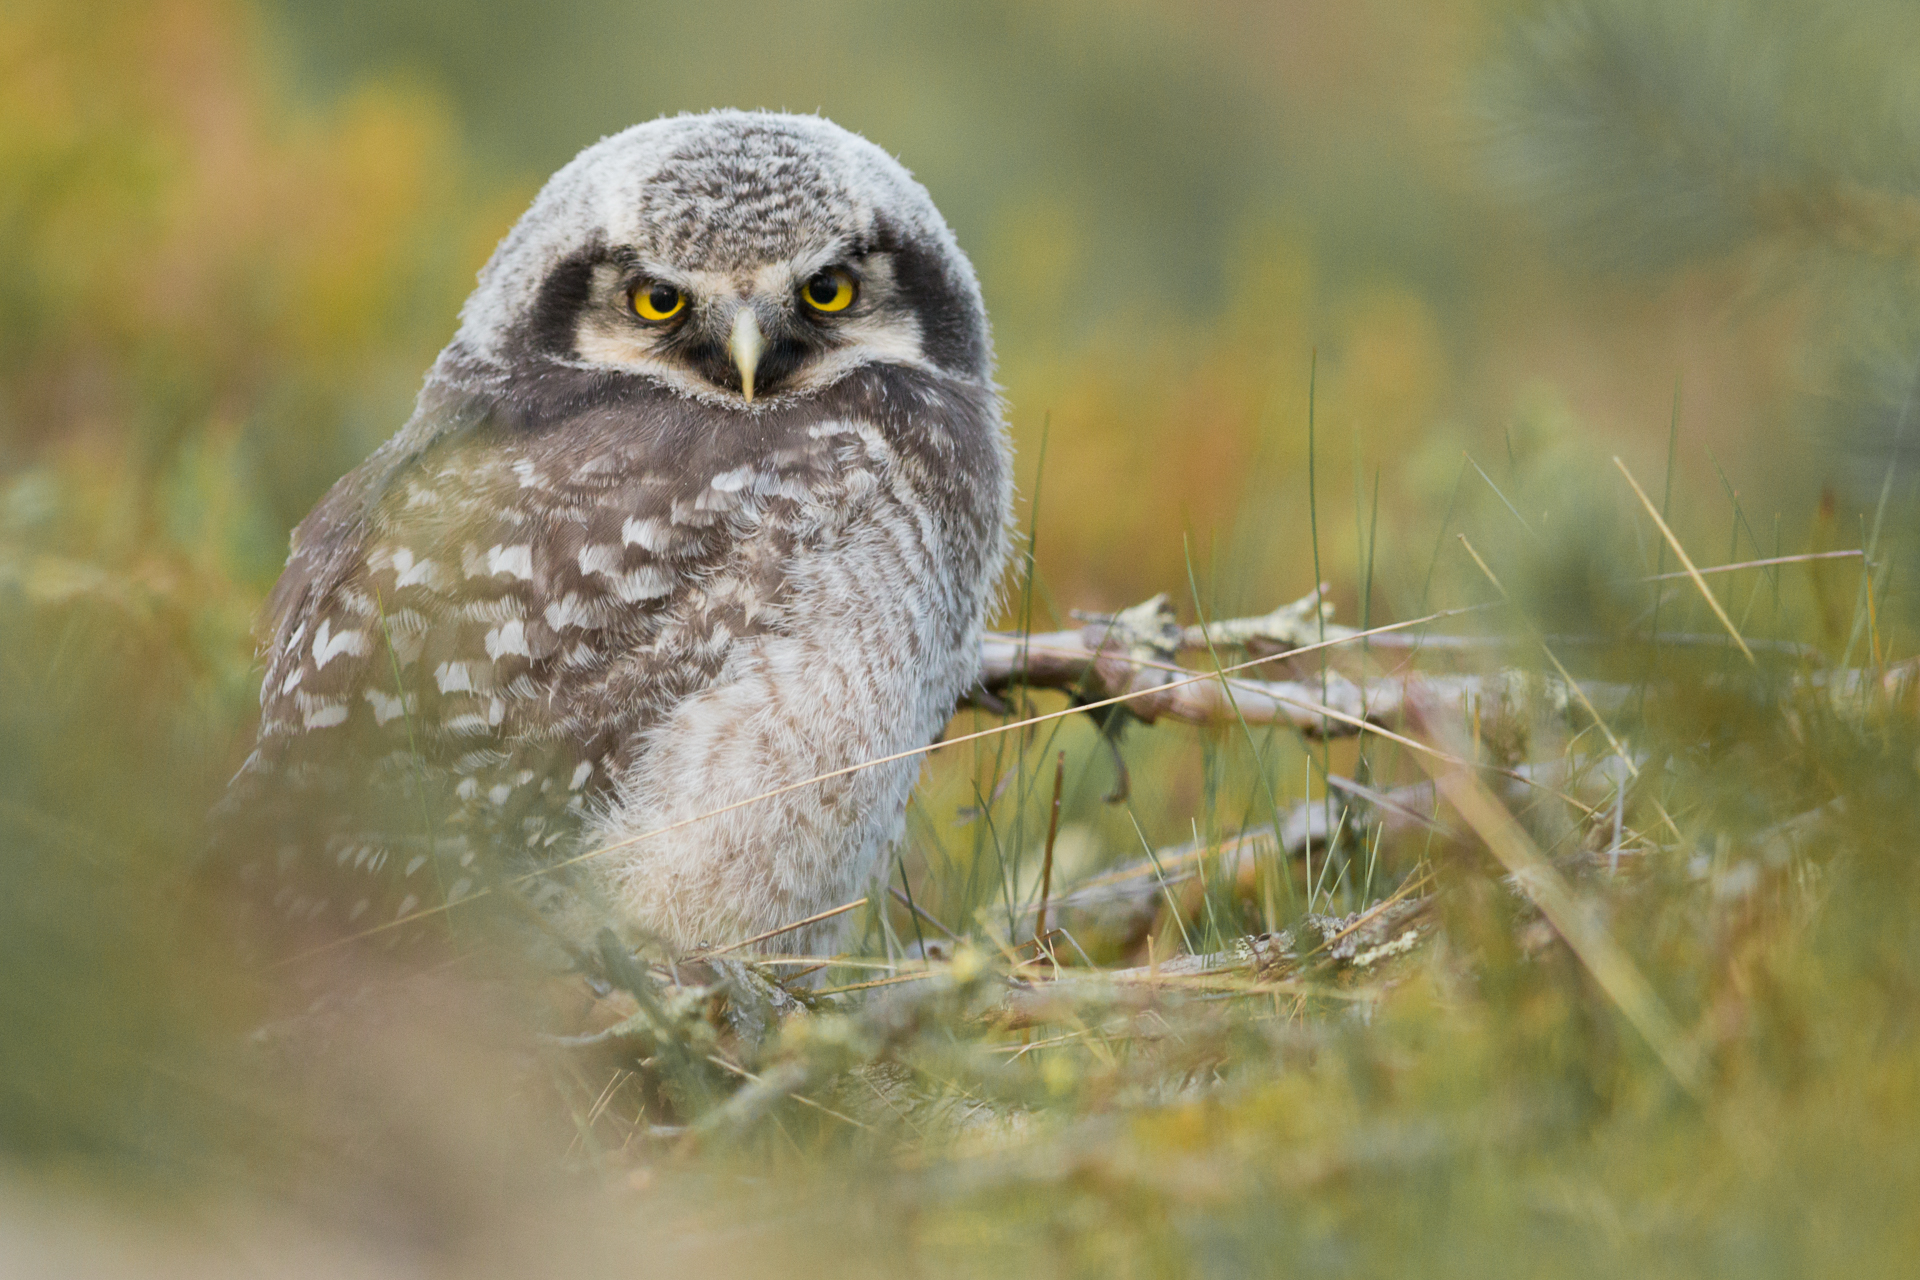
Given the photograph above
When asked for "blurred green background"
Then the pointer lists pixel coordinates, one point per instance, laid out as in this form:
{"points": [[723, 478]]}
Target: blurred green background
{"points": [[235, 236], [1473, 243]]}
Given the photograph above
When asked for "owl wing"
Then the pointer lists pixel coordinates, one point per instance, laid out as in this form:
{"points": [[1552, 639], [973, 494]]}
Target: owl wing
{"points": [[470, 640]]}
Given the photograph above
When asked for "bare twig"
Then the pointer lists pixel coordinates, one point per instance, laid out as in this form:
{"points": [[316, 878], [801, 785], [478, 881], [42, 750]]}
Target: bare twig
{"points": [[1134, 885], [1253, 965]]}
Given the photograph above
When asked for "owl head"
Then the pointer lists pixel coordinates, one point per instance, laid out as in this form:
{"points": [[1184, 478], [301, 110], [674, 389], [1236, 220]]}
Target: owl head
{"points": [[742, 258]]}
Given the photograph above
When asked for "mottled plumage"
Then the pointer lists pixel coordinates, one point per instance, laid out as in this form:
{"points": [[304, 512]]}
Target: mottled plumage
{"points": [[614, 573]]}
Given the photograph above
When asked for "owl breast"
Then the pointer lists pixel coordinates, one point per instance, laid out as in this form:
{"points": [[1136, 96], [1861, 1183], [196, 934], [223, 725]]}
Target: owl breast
{"points": [[877, 637], [534, 642]]}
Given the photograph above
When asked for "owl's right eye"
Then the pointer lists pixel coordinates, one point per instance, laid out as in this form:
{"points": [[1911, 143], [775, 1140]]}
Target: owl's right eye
{"points": [[655, 302]]}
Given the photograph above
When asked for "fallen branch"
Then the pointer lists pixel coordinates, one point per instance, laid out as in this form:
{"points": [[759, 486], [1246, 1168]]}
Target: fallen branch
{"points": [[1134, 653], [1307, 826], [1253, 965]]}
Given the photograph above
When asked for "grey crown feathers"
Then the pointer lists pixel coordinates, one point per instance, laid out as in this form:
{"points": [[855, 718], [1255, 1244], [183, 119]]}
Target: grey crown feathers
{"points": [[707, 496]]}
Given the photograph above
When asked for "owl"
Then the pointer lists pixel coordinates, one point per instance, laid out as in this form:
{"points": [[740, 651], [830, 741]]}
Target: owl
{"points": [[708, 495]]}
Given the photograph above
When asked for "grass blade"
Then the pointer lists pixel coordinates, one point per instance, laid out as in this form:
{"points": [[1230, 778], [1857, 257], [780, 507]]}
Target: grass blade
{"points": [[1687, 563]]}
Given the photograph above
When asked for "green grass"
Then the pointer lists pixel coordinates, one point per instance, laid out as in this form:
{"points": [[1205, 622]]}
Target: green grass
{"points": [[1477, 1104], [218, 296]]}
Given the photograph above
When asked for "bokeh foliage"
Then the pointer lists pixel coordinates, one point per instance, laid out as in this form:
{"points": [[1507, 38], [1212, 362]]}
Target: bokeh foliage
{"points": [[1481, 247]]}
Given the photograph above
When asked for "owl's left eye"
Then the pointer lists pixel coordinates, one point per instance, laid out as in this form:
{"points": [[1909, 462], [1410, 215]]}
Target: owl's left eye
{"points": [[831, 290], [655, 302]]}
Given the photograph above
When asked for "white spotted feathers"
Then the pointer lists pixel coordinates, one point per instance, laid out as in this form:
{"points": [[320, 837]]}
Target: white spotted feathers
{"points": [[592, 589]]}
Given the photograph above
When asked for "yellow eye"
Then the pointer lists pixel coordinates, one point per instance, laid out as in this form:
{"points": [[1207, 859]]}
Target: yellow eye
{"points": [[657, 302], [831, 290]]}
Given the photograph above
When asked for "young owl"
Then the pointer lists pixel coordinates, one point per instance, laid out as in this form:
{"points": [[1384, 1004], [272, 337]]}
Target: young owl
{"points": [[708, 495]]}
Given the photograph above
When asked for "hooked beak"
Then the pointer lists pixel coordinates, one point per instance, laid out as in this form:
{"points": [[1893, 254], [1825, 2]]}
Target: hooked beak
{"points": [[746, 344]]}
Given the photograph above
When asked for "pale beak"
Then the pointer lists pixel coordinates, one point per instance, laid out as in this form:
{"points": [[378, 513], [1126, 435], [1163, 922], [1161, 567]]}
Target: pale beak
{"points": [[746, 343]]}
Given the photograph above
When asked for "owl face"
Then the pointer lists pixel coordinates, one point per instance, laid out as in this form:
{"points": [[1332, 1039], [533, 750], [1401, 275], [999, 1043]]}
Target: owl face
{"points": [[739, 258], [762, 329]]}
